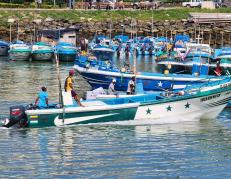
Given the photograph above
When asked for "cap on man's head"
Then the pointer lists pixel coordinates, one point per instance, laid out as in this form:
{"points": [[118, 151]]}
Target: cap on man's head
{"points": [[133, 78], [72, 72], [114, 80]]}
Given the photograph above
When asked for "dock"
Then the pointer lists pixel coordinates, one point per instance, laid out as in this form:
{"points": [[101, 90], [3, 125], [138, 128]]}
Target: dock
{"points": [[209, 17]]}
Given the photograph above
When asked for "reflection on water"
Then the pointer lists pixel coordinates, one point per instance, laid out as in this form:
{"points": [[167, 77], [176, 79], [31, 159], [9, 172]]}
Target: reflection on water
{"points": [[21, 81], [191, 149]]}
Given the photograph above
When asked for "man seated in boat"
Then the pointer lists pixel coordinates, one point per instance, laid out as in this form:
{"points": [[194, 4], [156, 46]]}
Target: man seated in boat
{"points": [[131, 86], [111, 88], [42, 100], [68, 86]]}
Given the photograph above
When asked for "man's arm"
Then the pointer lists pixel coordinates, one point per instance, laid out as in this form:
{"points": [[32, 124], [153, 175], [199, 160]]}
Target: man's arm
{"points": [[47, 101], [36, 101]]}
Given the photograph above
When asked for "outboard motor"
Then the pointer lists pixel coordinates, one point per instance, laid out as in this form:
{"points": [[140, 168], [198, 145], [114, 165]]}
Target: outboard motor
{"points": [[17, 117]]}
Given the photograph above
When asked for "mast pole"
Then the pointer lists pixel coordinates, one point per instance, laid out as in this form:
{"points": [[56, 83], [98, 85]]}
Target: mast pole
{"points": [[60, 87]]}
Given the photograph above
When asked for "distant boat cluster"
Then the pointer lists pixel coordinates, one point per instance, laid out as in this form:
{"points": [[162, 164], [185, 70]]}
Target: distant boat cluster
{"points": [[178, 54], [39, 51]]}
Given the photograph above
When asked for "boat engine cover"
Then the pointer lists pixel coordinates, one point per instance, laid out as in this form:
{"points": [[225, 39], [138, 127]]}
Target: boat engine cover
{"points": [[17, 116]]}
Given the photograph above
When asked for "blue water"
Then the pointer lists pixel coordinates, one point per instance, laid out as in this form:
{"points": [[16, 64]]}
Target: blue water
{"points": [[200, 149]]}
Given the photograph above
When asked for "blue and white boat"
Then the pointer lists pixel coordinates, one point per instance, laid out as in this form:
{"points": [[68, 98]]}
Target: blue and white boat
{"points": [[66, 52], [180, 44], [42, 51], [100, 74], [103, 47], [224, 56], [145, 46], [196, 54], [4, 48], [19, 51]]}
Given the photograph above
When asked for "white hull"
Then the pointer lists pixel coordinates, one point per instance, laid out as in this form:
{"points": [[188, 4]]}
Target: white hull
{"points": [[107, 50], [185, 109]]}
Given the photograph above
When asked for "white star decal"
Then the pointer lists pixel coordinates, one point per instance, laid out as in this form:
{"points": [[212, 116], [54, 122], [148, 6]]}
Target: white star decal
{"points": [[160, 84]]}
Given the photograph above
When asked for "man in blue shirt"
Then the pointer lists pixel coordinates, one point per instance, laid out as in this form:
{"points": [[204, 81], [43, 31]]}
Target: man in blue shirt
{"points": [[42, 99]]}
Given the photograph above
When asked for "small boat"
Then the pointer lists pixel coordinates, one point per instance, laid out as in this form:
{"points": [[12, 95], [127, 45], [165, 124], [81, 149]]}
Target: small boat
{"points": [[196, 54], [180, 42], [102, 47], [224, 56], [100, 73], [42, 51], [109, 110], [66, 52], [19, 51], [4, 48], [145, 46]]}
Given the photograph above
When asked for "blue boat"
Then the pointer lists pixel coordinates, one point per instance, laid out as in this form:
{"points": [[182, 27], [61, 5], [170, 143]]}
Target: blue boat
{"points": [[145, 46], [65, 51], [4, 47], [100, 74], [196, 54], [102, 47], [121, 38], [224, 56]]}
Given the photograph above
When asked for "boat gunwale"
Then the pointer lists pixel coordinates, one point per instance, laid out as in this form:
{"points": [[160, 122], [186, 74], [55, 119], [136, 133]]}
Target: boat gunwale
{"points": [[83, 109], [129, 75], [191, 96]]}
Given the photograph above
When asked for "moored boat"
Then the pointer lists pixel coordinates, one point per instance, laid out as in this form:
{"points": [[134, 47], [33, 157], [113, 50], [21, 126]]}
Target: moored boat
{"points": [[66, 52], [99, 74], [19, 51], [223, 55], [4, 47], [42, 51], [103, 47]]}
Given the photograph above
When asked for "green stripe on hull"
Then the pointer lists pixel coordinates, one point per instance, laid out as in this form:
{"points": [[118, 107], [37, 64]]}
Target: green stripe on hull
{"points": [[46, 120], [42, 56], [19, 55]]}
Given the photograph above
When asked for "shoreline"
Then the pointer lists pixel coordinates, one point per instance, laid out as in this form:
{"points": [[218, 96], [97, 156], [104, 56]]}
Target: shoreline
{"points": [[161, 22]]}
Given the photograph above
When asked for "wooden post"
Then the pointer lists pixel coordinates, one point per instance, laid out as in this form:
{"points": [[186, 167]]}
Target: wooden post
{"points": [[210, 37], [222, 39]]}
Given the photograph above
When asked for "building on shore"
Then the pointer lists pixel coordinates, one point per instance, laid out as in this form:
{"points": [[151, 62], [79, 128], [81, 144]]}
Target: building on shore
{"points": [[52, 36]]}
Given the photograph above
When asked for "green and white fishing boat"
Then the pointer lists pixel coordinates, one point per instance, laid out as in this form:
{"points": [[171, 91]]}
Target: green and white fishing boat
{"points": [[42, 51], [19, 51], [94, 112], [202, 101]]}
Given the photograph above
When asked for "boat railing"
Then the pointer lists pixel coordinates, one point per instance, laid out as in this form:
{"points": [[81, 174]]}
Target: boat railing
{"points": [[209, 83]]}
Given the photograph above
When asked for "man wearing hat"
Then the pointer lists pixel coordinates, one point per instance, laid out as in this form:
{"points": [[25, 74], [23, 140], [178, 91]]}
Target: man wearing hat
{"points": [[131, 86], [111, 88], [69, 86]]}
